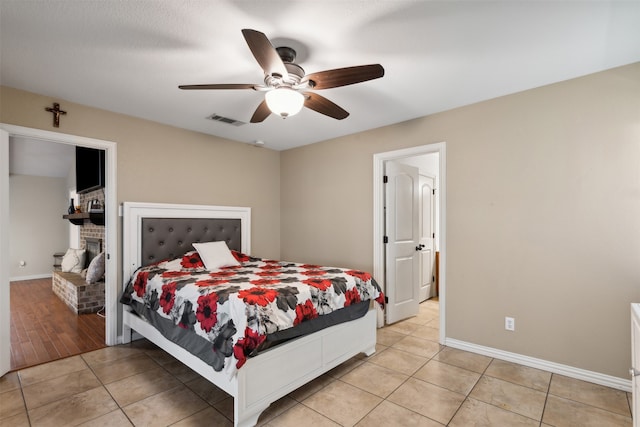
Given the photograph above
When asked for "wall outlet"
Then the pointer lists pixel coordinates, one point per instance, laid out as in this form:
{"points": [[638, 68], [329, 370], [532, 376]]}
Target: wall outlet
{"points": [[510, 323]]}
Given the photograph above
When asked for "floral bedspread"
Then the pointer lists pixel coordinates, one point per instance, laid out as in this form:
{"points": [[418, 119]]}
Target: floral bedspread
{"points": [[230, 311]]}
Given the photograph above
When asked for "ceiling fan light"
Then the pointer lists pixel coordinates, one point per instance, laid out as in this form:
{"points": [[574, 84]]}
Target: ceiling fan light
{"points": [[284, 101]]}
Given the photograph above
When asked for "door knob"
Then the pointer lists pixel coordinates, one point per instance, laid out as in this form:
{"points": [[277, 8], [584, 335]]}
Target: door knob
{"points": [[419, 247], [634, 372]]}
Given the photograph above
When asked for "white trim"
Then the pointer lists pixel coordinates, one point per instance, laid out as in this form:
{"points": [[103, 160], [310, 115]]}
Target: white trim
{"points": [[378, 219], [31, 277], [111, 225], [5, 309], [545, 365]]}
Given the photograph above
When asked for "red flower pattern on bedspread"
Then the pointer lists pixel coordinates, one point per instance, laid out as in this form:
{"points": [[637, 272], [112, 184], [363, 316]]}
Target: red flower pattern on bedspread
{"points": [[207, 311], [240, 257], [362, 275], [304, 312], [170, 274], [192, 260], [314, 272], [270, 265], [351, 297], [175, 274], [222, 273], [246, 346], [320, 284], [211, 282], [234, 308], [168, 297], [264, 282], [140, 285], [268, 273], [258, 295]]}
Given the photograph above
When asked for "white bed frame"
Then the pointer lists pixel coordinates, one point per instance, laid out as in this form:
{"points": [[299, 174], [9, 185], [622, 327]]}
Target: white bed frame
{"points": [[270, 375]]}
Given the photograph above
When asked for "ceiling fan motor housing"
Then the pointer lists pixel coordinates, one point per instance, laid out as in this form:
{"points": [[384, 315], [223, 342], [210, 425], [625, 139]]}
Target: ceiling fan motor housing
{"points": [[286, 53], [296, 72]]}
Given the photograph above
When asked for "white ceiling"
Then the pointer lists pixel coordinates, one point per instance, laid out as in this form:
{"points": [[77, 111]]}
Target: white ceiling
{"points": [[130, 56]]}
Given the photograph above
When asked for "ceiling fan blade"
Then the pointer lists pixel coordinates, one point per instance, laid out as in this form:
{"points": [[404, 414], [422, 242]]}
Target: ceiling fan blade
{"points": [[261, 113], [345, 76], [265, 53], [323, 106], [219, 86]]}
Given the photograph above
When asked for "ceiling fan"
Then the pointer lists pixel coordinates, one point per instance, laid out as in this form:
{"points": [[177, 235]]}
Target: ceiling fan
{"points": [[286, 84]]}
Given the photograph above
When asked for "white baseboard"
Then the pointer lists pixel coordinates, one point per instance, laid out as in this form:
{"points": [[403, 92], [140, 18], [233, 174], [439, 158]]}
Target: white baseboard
{"points": [[32, 277], [556, 368]]}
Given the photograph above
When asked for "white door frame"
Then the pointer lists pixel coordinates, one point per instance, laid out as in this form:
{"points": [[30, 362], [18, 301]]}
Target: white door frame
{"points": [[5, 314], [111, 215], [378, 216]]}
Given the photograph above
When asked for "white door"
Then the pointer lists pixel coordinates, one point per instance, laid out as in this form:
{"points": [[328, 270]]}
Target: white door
{"points": [[5, 337], [427, 235], [402, 236]]}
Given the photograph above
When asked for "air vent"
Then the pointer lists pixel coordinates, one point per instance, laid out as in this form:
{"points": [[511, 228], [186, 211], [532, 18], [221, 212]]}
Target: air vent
{"points": [[226, 120]]}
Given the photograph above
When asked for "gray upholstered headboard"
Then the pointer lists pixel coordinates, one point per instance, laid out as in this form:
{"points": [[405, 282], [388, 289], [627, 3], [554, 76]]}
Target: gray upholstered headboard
{"points": [[167, 238]]}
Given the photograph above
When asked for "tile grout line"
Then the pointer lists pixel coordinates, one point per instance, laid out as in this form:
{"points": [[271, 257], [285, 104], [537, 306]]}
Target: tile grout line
{"points": [[466, 398], [180, 383], [106, 389], [24, 401], [384, 399], [546, 399]]}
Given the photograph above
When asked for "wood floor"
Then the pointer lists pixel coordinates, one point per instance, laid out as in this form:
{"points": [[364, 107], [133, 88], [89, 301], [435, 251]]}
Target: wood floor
{"points": [[43, 328]]}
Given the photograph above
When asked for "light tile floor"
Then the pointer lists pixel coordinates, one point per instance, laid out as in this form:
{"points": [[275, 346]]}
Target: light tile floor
{"points": [[410, 381]]}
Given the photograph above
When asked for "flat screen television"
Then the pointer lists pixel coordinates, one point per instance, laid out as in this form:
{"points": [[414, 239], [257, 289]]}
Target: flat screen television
{"points": [[89, 169]]}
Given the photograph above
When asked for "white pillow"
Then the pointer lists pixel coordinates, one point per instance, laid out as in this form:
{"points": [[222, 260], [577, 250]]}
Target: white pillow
{"points": [[95, 271], [73, 261], [215, 255]]}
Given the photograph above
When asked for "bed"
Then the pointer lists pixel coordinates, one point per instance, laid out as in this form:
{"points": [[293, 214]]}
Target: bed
{"points": [[156, 237]]}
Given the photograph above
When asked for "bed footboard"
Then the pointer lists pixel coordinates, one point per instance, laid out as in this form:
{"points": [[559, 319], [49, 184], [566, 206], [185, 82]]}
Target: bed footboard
{"points": [[279, 370]]}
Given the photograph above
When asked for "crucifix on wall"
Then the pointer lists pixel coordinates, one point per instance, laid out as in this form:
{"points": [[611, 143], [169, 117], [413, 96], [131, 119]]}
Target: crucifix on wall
{"points": [[56, 111]]}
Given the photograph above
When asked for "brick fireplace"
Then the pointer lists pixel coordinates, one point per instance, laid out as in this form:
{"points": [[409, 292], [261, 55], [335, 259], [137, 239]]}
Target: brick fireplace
{"points": [[77, 294], [89, 229]]}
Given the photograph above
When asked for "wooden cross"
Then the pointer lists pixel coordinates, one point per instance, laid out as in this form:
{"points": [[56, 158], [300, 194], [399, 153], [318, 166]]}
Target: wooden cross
{"points": [[56, 111]]}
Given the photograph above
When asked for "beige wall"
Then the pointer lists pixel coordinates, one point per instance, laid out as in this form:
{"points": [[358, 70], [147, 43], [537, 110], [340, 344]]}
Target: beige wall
{"points": [[543, 215], [159, 163], [37, 231]]}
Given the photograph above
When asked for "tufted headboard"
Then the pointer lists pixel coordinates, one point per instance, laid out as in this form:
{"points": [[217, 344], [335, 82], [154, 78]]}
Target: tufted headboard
{"points": [[167, 238], [153, 232]]}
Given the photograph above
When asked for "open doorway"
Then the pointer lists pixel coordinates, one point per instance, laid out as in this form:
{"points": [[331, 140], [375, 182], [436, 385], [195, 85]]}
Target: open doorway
{"points": [[412, 155], [109, 215], [57, 308]]}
